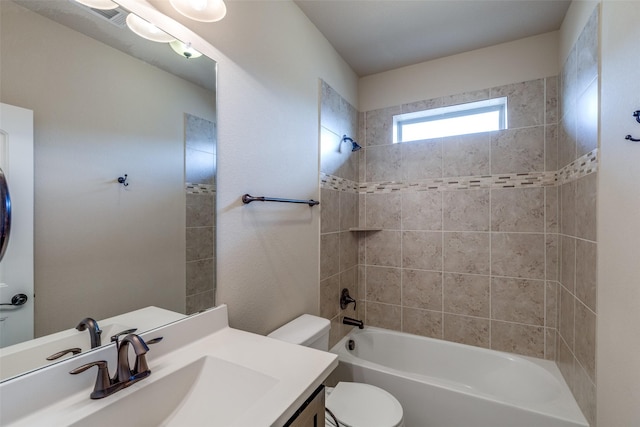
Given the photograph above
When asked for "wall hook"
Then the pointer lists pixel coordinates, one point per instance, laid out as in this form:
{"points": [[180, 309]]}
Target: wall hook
{"points": [[123, 180], [630, 138], [636, 114]]}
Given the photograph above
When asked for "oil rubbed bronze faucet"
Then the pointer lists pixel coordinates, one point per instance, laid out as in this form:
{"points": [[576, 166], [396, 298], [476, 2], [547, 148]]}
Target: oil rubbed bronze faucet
{"points": [[94, 330], [124, 376]]}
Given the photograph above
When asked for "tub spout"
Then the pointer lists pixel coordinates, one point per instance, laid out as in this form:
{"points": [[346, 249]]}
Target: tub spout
{"points": [[353, 322]]}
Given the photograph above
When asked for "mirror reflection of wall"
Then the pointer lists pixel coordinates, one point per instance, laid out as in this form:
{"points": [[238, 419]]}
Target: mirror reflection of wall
{"points": [[101, 248]]}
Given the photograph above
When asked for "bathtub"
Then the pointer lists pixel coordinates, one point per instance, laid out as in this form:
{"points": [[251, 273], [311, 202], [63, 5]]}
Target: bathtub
{"points": [[445, 384]]}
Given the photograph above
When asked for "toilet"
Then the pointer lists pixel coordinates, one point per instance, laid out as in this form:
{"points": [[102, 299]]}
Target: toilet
{"points": [[353, 404]]}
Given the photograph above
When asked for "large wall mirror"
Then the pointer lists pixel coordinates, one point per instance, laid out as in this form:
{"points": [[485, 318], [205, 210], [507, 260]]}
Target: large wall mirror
{"points": [[106, 103]]}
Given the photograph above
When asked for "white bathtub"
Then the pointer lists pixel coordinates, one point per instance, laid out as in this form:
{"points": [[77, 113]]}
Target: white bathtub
{"points": [[444, 384]]}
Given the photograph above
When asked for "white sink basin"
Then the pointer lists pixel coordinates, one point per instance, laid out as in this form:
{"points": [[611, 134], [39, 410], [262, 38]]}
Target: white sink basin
{"points": [[208, 391]]}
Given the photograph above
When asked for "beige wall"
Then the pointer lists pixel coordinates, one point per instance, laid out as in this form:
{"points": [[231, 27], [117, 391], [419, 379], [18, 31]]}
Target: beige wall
{"points": [[521, 60], [271, 57], [618, 352], [100, 250]]}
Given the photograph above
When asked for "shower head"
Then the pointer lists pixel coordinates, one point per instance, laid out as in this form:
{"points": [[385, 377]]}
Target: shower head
{"points": [[354, 145]]}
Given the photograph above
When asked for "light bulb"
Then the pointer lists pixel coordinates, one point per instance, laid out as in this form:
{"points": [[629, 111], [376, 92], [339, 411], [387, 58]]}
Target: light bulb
{"points": [[147, 30], [201, 10]]}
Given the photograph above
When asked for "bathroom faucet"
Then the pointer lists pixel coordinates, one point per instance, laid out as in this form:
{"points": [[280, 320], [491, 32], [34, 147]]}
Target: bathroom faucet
{"points": [[346, 299], [140, 369], [353, 322], [94, 330], [124, 375]]}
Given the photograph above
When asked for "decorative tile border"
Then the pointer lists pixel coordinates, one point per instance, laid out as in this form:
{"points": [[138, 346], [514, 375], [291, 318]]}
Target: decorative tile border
{"points": [[580, 167], [199, 188], [583, 166]]}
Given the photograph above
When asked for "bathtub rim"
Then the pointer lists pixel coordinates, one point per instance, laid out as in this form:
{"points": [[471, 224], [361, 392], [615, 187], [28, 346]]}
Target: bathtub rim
{"points": [[563, 407]]}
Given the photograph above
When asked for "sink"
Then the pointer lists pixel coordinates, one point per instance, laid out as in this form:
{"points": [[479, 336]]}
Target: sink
{"points": [[33, 354], [209, 391]]}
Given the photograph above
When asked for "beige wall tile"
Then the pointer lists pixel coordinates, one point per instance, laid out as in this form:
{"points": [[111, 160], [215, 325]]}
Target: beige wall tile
{"points": [[379, 126], [200, 276], [587, 53], [422, 289], [201, 301], [348, 250], [550, 344], [567, 133], [466, 210], [551, 100], [464, 97], [518, 300], [383, 163], [384, 316], [383, 285], [383, 210], [565, 362], [566, 317], [552, 243], [551, 304], [568, 208], [422, 322], [586, 258], [584, 391], [551, 148], [585, 339], [517, 209], [422, 210], [422, 250], [552, 209], [329, 297], [568, 262], [525, 103], [329, 255], [348, 210], [426, 104], [518, 255], [587, 120], [569, 82], [517, 338], [329, 211], [466, 253], [466, 294], [421, 159], [518, 150], [466, 155], [586, 198], [383, 248], [466, 330]]}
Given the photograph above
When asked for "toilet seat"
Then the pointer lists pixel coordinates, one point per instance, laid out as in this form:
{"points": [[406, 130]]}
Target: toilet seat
{"points": [[364, 405]]}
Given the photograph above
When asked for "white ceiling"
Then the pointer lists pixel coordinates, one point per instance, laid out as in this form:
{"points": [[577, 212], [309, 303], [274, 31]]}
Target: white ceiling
{"points": [[380, 35]]}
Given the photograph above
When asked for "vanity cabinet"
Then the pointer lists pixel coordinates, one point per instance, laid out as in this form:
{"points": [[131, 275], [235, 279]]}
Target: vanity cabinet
{"points": [[311, 413]]}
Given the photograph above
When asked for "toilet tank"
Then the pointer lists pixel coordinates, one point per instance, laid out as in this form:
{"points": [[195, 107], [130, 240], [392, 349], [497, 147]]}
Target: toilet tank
{"points": [[307, 330]]}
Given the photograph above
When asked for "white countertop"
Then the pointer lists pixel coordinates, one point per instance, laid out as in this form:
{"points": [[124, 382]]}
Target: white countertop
{"points": [[297, 371]]}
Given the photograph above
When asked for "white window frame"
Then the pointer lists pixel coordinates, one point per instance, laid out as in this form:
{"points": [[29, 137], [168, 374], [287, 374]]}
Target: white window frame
{"points": [[443, 113]]}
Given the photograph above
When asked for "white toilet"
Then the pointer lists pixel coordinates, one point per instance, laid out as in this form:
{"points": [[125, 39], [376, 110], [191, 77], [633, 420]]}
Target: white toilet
{"points": [[353, 404]]}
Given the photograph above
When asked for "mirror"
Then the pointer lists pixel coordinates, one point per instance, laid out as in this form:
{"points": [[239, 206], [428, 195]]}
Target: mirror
{"points": [[108, 104]]}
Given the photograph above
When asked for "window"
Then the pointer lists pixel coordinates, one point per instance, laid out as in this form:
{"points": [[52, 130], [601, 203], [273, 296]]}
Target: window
{"points": [[481, 116]]}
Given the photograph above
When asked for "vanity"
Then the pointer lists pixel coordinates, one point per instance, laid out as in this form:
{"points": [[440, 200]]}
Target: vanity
{"points": [[202, 373]]}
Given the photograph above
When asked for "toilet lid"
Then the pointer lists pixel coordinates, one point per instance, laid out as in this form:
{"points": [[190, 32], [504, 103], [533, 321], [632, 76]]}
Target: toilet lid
{"points": [[364, 405]]}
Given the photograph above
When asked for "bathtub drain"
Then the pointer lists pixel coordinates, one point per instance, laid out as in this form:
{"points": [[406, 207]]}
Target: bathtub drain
{"points": [[351, 345]]}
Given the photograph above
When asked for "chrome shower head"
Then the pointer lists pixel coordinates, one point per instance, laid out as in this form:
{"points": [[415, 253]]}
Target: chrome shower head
{"points": [[354, 145]]}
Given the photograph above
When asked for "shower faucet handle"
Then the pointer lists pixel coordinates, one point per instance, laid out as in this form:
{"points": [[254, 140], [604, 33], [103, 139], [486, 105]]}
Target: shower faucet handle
{"points": [[345, 299]]}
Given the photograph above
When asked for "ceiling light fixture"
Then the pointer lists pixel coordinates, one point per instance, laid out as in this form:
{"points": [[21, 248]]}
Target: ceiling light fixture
{"points": [[201, 10], [184, 49], [147, 30], [99, 4]]}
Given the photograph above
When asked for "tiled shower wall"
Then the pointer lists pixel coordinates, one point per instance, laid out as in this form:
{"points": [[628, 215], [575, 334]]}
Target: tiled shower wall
{"points": [[578, 139], [200, 185], [468, 247], [338, 245], [485, 239]]}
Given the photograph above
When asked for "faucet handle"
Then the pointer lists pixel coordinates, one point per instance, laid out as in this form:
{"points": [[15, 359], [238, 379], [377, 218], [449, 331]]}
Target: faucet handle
{"points": [[74, 350], [114, 338], [346, 299], [103, 386]]}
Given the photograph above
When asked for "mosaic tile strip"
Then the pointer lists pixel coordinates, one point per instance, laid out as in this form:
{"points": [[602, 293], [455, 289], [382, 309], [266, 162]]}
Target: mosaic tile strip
{"points": [[583, 166], [580, 167], [331, 182], [199, 188]]}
